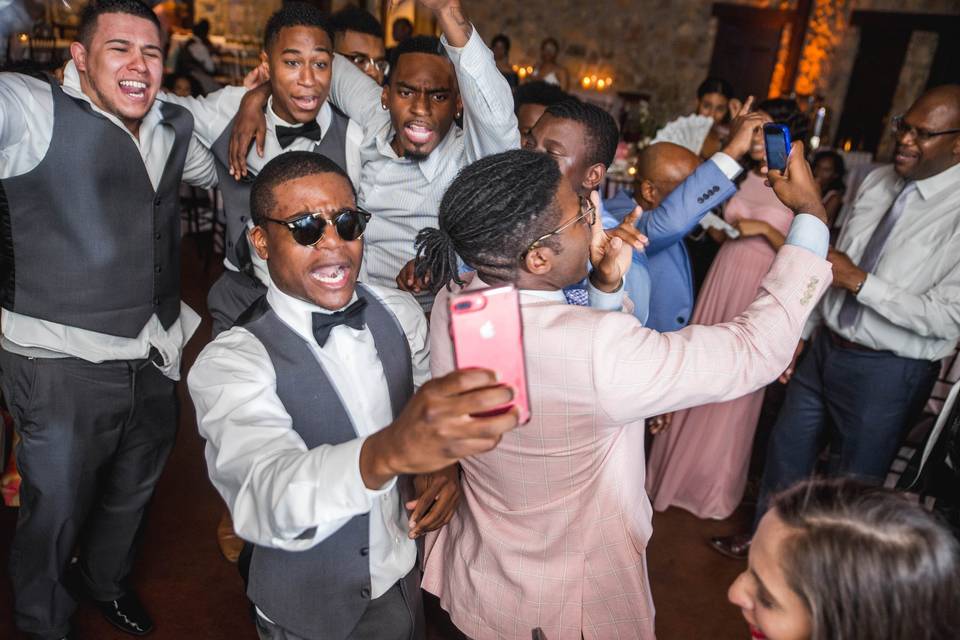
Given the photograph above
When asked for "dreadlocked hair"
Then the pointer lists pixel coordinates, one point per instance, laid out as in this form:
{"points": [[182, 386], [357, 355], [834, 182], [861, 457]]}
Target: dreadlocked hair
{"points": [[493, 210], [599, 126]]}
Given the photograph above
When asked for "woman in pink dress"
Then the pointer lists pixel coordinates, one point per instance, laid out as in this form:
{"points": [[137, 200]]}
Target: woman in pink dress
{"points": [[700, 464]]}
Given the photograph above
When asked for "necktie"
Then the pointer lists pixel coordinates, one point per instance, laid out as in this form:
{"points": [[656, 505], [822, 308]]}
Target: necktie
{"points": [[850, 311], [576, 295], [286, 135], [352, 316]]}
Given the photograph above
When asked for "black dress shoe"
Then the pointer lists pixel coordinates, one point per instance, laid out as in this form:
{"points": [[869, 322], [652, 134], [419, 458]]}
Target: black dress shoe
{"points": [[127, 614], [736, 546]]}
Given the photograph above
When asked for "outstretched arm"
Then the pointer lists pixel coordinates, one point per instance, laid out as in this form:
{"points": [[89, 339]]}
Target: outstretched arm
{"points": [[489, 123]]}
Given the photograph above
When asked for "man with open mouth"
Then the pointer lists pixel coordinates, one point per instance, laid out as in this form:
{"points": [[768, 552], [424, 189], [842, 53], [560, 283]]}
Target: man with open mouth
{"points": [[412, 146], [310, 469], [93, 325]]}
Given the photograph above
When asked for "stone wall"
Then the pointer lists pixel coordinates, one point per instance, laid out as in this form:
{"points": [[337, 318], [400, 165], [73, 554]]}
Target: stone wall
{"points": [[663, 47]]}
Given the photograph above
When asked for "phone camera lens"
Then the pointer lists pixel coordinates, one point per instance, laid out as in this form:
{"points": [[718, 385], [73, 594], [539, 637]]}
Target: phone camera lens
{"points": [[462, 306]]}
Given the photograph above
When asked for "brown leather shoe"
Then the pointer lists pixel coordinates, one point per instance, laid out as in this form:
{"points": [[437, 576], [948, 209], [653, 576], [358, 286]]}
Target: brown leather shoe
{"points": [[230, 543], [735, 546]]}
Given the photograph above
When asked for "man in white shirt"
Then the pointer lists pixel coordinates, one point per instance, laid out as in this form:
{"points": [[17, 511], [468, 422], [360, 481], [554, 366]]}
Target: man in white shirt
{"points": [[893, 312], [93, 325], [298, 57], [309, 470], [412, 148]]}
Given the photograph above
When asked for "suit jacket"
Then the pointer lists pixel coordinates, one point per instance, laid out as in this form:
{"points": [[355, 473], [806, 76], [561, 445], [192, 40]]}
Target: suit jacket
{"points": [[554, 524], [667, 263]]}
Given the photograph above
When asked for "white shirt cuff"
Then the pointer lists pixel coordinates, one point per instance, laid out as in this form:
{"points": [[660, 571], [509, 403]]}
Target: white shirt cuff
{"points": [[810, 233], [345, 457], [873, 291], [730, 167]]}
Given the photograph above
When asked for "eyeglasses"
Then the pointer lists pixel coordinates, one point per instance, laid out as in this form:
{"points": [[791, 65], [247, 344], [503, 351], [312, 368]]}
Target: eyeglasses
{"points": [[364, 61], [587, 210], [901, 128], [309, 229]]}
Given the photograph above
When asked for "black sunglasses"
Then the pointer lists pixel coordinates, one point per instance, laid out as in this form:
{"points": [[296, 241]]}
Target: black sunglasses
{"points": [[309, 228]]}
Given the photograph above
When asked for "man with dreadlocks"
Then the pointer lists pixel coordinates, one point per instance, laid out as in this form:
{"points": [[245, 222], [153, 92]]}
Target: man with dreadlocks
{"points": [[554, 522]]}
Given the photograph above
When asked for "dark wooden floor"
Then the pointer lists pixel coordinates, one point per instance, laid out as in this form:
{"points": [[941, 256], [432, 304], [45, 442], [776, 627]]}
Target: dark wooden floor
{"points": [[194, 594]]}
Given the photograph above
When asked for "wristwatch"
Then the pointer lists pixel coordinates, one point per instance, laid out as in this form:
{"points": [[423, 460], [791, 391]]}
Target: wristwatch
{"points": [[856, 291]]}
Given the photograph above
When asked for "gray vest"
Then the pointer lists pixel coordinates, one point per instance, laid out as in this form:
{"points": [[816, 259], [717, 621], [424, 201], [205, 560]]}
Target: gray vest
{"points": [[236, 194], [322, 592], [87, 242]]}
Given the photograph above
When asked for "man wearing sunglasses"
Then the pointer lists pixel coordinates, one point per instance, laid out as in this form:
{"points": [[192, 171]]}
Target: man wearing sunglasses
{"points": [[310, 468], [892, 314], [358, 37], [297, 58]]}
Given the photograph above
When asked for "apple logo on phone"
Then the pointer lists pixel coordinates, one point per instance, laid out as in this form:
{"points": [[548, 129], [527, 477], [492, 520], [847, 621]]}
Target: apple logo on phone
{"points": [[487, 331]]}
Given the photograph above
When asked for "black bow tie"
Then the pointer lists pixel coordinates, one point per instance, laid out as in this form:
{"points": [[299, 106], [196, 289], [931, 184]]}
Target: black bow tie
{"points": [[352, 316], [286, 135]]}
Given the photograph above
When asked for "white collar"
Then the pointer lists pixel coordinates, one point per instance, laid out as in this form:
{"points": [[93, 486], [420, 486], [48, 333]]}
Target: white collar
{"points": [[296, 313], [930, 187], [428, 166], [324, 117], [71, 86]]}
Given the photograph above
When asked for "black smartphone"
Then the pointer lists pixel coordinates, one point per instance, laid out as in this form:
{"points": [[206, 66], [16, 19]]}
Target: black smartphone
{"points": [[776, 139]]}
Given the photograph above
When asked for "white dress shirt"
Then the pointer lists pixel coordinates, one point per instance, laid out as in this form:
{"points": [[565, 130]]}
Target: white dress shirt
{"points": [[911, 303], [26, 129], [278, 489], [212, 115], [404, 195]]}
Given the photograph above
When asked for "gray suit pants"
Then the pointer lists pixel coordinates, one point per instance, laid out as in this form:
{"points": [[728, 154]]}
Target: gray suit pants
{"points": [[396, 615], [93, 441]]}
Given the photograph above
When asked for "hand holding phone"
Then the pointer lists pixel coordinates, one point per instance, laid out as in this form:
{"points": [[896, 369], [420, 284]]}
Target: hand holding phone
{"points": [[776, 139], [487, 333]]}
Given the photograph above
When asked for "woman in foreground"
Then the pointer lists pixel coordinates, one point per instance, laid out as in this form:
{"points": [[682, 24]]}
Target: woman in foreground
{"points": [[838, 560]]}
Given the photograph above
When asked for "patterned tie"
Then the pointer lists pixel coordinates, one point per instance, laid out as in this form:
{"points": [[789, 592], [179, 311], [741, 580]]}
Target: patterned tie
{"points": [[850, 311], [576, 295]]}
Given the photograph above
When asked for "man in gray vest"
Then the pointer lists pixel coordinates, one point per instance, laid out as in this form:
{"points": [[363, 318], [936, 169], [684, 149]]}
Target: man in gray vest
{"points": [[309, 412], [93, 326], [297, 56]]}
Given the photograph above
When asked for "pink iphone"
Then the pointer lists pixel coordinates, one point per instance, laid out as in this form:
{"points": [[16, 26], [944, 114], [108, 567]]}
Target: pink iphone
{"points": [[487, 333]]}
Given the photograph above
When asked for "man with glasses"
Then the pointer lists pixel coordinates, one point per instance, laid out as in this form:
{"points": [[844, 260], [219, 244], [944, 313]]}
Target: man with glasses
{"points": [[358, 37], [892, 314], [310, 468]]}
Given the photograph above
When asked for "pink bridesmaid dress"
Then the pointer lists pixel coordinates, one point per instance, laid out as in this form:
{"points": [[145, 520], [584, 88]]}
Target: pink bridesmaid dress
{"points": [[700, 463]]}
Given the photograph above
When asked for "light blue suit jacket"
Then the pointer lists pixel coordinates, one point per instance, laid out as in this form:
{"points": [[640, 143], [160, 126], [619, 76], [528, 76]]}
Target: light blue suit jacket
{"points": [[660, 283]]}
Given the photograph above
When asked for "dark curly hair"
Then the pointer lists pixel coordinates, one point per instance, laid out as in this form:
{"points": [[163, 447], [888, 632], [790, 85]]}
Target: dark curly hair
{"points": [[295, 14], [96, 8], [538, 92], [493, 210], [284, 168], [601, 129]]}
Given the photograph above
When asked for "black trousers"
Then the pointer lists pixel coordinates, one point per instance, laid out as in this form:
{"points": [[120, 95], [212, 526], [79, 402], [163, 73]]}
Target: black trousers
{"points": [[93, 441]]}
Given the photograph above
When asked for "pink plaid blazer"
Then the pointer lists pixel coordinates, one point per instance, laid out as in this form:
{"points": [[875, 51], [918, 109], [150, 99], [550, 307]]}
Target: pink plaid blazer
{"points": [[554, 524]]}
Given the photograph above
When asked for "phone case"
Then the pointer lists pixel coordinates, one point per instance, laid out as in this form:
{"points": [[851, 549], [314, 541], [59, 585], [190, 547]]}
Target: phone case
{"points": [[776, 140], [487, 333]]}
